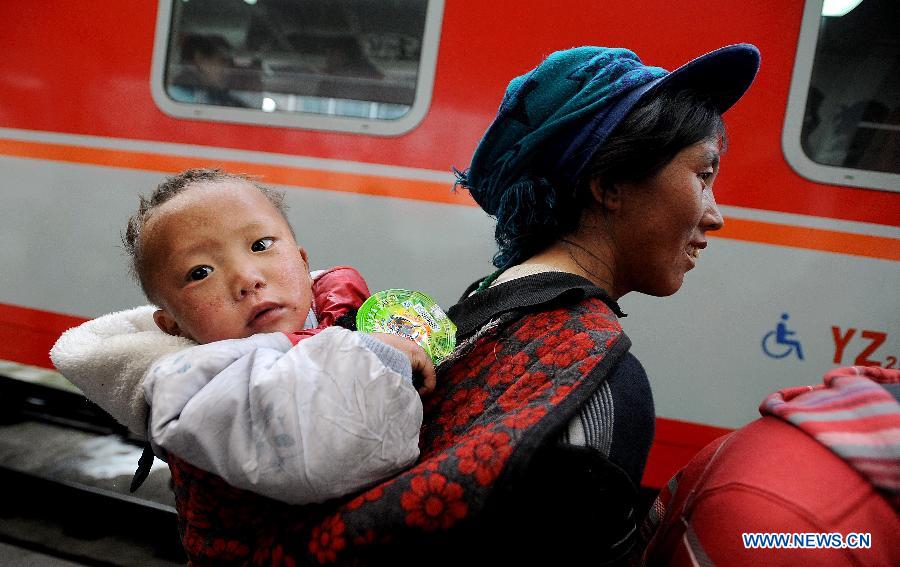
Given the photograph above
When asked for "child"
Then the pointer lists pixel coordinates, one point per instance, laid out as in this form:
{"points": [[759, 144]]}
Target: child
{"points": [[296, 421]]}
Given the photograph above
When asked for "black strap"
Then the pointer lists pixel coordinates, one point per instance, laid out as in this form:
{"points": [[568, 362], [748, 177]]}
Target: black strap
{"points": [[143, 469]]}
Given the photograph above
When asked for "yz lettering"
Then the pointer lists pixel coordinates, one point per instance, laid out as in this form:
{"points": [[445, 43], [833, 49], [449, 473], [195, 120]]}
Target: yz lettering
{"points": [[875, 339]]}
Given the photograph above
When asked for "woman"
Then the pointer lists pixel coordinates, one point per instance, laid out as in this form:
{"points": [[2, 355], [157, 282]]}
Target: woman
{"points": [[599, 170]]}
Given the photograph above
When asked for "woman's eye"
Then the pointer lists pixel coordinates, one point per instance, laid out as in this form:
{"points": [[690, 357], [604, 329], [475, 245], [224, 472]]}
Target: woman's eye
{"points": [[262, 244], [199, 273]]}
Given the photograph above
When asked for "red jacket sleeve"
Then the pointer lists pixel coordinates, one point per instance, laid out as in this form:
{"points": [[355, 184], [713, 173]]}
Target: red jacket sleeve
{"points": [[337, 291]]}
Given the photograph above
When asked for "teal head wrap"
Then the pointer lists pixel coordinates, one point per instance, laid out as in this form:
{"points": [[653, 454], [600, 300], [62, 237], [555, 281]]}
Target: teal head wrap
{"points": [[554, 118]]}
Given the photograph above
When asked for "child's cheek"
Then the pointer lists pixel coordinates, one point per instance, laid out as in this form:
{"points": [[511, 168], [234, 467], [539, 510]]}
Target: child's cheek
{"points": [[216, 319]]}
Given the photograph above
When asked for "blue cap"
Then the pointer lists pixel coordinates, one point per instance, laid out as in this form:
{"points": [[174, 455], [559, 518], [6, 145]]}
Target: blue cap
{"points": [[724, 75], [554, 118]]}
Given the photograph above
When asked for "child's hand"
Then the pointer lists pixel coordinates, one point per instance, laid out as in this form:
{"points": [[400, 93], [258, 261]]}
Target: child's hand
{"points": [[421, 362]]}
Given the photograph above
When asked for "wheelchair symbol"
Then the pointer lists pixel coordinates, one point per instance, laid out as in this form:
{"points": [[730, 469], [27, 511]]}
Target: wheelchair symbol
{"points": [[777, 344]]}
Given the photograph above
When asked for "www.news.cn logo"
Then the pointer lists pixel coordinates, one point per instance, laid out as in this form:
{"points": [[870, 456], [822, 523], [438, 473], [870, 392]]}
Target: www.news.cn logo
{"points": [[809, 540]]}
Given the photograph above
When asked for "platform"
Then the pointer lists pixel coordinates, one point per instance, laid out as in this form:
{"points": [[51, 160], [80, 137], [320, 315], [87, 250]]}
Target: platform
{"points": [[65, 472]]}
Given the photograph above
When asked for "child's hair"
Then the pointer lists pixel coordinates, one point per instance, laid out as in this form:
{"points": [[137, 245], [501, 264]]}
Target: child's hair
{"points": [[169, 188]]}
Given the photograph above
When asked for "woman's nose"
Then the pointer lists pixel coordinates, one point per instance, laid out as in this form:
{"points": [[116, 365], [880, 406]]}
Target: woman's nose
{"points": [[712, 216]]}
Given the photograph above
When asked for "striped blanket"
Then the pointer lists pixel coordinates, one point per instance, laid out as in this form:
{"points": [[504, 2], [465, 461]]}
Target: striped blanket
{"points": [[853, 414]]}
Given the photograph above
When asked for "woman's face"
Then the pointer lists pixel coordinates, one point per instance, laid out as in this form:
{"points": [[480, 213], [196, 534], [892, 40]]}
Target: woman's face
{"points": [[660, 225]]}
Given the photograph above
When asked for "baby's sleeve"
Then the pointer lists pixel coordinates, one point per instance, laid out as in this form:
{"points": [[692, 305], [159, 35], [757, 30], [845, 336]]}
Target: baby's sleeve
{"points": [[338, 291]]}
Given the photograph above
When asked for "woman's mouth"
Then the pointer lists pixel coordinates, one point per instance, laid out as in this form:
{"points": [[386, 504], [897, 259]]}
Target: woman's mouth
{"points": [[693, 250]]}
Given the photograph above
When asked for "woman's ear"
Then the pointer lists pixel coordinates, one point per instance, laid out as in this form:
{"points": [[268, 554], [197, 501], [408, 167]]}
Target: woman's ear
{"points": [[607, 195], [166, 323]]}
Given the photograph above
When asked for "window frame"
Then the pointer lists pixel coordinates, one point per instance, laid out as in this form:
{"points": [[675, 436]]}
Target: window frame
{"points": [[796, 109], [301, 120]]}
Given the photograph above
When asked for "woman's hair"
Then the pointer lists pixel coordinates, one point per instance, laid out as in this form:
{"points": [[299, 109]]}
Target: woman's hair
{"points": [[165, 191], [655, 130]]}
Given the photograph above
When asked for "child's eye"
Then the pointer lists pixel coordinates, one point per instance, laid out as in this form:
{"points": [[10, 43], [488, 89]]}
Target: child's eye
{"points": [[262, 244], [199, 273]]}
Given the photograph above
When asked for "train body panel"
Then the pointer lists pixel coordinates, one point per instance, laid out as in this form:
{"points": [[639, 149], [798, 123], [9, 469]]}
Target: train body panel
{"points": [[81, 136]]}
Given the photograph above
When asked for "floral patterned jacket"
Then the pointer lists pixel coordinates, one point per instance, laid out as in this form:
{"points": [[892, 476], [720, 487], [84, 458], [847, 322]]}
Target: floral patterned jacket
{"points": [[492, 483]]}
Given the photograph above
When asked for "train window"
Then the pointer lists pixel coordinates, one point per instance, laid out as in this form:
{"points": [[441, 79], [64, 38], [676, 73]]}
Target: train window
{"points": [[843, 119], [346, 65]]}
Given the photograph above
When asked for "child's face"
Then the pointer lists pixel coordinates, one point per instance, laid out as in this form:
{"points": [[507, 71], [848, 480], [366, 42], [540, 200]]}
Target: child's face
{"points": [[223, 264]]}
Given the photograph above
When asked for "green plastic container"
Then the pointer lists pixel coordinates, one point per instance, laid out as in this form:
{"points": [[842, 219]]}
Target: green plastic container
{"points": [[410, 314]]}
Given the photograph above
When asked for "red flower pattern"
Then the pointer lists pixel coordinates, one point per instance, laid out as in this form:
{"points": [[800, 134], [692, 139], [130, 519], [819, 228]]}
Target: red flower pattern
{"points": [[437, 445], [511, 369], [228, 549], [484, 456], [431, 404], [279, 558], [461, 407], [564, 348], [560, 393], [527, 388], [600, 321], [481, 357], [525, 418], [433, 503], [367, 538], [191, 540], [370, 495], [328, 539], [196, 515], [587, 365], [433, 463], [264, 549], [542, 324]]}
